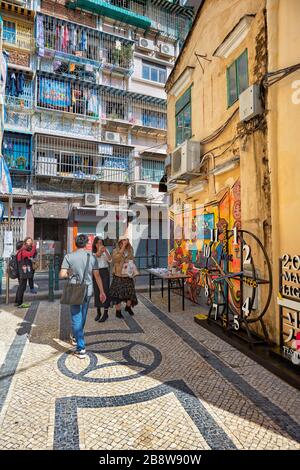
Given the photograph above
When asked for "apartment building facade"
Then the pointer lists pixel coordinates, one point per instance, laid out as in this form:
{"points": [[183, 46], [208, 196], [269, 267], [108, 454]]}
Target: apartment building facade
{"points": [[85, 111]]}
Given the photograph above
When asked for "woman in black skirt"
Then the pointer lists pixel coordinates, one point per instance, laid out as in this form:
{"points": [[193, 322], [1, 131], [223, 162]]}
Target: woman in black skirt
{"points": [[122, 288], [103, 257]]}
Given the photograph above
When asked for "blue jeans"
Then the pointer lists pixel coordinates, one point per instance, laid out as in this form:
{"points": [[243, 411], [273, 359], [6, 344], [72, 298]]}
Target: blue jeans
{"points": [[79, 314]]}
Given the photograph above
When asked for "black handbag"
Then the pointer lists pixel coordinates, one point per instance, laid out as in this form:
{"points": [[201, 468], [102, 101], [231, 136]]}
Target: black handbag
{"points": [[75, 293]]}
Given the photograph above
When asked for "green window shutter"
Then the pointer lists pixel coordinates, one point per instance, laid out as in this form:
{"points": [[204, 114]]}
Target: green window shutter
{"points": [[183, 101], [242, 72], [237, 78], [232, 94]]}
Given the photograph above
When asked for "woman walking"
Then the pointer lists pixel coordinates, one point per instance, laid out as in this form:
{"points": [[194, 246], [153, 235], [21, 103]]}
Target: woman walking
{"points": [[122, 288], [103, 259]]}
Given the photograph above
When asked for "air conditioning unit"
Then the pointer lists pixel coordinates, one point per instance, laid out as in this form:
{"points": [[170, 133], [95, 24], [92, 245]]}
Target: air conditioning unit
{"points": [[167, 50], [146, 44], [113, 137], [142, 190], [91, 200], [186, 159], [250, 103]]}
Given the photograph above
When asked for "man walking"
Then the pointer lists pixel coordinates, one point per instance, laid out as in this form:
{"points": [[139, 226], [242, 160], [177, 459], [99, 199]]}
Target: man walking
{"points": [[75, 264]]}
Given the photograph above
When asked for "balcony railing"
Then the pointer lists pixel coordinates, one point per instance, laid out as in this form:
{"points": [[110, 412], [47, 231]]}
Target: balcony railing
{"points": [[78, 160], [55, 124]]}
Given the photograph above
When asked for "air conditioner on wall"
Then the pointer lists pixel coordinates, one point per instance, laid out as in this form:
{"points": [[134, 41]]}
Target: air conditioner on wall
{"points": [[146, 44], [167, 50], [142, 190], [185, 159], [91, 200], [113, 137]]}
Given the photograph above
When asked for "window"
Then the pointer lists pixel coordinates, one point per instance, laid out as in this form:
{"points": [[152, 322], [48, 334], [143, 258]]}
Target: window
{"points": [[152, 170], [154, 72], [16, 149], [9, 31], [237, 78], [183, 110]]}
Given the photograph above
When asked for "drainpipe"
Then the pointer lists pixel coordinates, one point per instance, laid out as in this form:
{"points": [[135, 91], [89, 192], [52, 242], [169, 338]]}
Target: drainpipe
{"points": [[272, 121]]}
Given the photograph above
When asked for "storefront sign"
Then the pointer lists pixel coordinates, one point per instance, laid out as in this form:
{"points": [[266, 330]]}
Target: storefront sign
{"points": [[18, 211], [289, 307]]}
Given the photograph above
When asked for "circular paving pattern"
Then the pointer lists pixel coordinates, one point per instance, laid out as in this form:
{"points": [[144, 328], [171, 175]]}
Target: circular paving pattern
{"points": [[109, 361]]}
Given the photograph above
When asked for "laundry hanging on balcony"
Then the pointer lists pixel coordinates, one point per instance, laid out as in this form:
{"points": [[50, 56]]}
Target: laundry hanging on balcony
{"points": [[15, 83], [40, 38], [54, 95], [5, 179]]}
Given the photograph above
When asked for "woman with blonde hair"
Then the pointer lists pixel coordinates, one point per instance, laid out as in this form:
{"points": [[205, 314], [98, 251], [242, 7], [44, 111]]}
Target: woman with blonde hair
{"points": [[122, 288]]}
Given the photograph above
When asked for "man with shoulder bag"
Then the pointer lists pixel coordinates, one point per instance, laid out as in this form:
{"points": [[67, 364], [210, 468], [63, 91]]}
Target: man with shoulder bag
{"points": [[79, 268]]}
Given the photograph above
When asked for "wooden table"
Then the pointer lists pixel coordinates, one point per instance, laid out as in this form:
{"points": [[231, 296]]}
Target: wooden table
{"points": [[170, 278]]}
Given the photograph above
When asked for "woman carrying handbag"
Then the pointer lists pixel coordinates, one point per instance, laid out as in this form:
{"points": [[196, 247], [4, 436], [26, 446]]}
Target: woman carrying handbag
{"points": [[122, 288]]}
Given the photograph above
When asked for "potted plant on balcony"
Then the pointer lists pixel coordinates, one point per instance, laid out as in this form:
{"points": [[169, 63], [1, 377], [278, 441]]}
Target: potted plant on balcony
{"points": [[21, 163]]}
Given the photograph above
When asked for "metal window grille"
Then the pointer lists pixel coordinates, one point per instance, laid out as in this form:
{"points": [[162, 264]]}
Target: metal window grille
{"points": [[152, 170], [16, 150], [140, 111], [18, 34], [167, 22], [72, 158]]}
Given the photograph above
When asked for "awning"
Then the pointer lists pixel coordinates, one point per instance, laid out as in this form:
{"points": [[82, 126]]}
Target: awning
{"points": [[111, 11], [51, 210]]}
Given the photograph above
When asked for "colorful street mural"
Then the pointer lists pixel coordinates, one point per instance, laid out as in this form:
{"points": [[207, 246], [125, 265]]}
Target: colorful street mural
{"points": [[187, 254]]}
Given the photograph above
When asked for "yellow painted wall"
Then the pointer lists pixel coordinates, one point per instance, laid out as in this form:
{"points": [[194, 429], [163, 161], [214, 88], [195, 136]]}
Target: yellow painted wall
{"points": [[283, 129]]}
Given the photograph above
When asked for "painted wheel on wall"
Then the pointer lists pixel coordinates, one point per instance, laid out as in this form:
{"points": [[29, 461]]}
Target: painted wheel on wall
{"points": [[244, 276]]}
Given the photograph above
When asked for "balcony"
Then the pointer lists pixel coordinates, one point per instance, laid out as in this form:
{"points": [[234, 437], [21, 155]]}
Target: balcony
{"points": [[18, 35], [79, 45], [118, 10], [27, 4], [138, 111], [70, 159], [18, 105], [169, 19], [73, 98]]}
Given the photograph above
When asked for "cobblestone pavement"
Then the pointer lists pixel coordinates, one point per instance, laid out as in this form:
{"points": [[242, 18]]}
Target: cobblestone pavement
{"points": [[156, 380]]}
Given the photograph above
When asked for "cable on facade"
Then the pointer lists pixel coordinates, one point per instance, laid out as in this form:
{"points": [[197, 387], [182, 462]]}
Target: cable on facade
{"points": [[274, 77]]}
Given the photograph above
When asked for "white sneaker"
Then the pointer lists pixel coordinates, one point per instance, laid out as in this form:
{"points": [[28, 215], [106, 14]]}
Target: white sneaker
{"points": [[81, 354], [73, 340]]}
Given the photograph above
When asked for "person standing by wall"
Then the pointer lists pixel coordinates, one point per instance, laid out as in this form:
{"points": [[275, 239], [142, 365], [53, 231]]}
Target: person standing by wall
{"points": [[122, 288], [81, 266], [24, 256], [103, 258]]}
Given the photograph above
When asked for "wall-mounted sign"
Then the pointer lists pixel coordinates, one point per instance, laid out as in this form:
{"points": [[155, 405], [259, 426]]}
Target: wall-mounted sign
{"points": [[289, 307]]}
